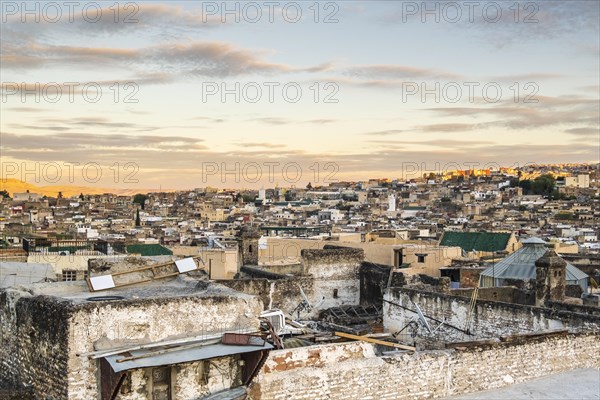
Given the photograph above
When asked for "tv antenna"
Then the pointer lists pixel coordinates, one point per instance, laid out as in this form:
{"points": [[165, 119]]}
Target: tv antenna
{"points": [[420, 322], [304, 305]]}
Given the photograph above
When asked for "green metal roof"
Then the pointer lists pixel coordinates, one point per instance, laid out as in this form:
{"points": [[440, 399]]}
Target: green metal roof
{"points": [[149, 250], [478, 241]]}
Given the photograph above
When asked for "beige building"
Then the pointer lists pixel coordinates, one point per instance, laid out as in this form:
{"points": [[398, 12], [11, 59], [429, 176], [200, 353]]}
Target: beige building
{"points": [[413, 258], [218, 263]]}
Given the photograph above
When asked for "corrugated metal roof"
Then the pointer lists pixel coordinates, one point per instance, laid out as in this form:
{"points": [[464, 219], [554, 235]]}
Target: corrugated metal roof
{"points": [[179, 356], [521, 264]]}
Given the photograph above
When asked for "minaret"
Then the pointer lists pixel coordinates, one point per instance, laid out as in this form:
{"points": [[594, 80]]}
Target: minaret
{"points": [[550, 278]]}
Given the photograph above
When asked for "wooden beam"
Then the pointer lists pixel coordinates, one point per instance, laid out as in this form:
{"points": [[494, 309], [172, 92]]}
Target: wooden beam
{"points": [[374, 341]]}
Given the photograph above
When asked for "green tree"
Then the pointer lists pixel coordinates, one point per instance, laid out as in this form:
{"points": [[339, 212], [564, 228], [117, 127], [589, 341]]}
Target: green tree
{"points": [[137, 218], [248, 198], [140, 199], [5, 194], [526, 185], [543, 185]]}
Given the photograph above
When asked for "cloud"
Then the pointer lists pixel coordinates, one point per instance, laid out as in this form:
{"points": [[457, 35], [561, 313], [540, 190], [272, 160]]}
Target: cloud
{"points": [[161, 63], [548, 111], [265, 145], [386, 133], [584, 132], [285, 121], [399, 72], [447, 127]]}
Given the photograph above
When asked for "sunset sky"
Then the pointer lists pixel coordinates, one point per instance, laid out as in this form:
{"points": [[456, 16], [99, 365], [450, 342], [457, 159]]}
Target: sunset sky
{"points": [[364, 59]]}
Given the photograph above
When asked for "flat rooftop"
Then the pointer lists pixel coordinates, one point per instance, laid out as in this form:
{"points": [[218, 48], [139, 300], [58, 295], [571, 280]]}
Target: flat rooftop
{"points": [[581, 384], [78, 293]]}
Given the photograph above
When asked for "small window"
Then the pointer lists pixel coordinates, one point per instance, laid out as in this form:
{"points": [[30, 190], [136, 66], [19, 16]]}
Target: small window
{"points": [[161, 383], [421, 258], [69, 275], [250, 249], [335, 293]]}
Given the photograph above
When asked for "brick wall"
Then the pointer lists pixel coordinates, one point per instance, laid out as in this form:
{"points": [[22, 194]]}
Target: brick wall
{"points": [[353, 370]]}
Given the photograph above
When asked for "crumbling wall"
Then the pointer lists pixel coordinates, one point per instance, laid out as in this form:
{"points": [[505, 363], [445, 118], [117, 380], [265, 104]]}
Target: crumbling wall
{"points": [[42, 337], [490, 319], [332, 263], [336, 275], [149, 320], [353, 371], [278, 293]]}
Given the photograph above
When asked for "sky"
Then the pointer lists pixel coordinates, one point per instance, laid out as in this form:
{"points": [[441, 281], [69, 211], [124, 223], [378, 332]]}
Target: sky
{"points": [[242, 94]]}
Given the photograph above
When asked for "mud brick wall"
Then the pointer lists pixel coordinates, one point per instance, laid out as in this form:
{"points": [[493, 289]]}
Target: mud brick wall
{"points": [[353, 371]]}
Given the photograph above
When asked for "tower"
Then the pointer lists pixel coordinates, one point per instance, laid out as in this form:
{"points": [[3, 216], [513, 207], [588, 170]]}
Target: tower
{"points": [[249, 247], [550, 278]]}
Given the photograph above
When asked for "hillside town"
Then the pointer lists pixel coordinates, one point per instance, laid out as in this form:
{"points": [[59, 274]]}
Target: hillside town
{"points": [[231, 294]]}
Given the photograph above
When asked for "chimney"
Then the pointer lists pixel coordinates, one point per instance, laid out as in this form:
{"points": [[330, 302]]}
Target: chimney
{"points": [[551, 272]]}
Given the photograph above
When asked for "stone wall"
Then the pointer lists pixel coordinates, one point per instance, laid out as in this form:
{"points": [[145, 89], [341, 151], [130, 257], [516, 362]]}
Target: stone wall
{"points": [[490, 319], [353, 370], [34, 344]]}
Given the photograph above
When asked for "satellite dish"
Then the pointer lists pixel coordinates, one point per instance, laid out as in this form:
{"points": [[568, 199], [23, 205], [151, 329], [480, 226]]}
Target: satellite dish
{"points": [[422, 317]]}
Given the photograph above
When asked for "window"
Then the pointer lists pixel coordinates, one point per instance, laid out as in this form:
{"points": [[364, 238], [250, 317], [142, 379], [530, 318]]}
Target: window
{"points": [[335, 293], [421, 258], [69, 275]]}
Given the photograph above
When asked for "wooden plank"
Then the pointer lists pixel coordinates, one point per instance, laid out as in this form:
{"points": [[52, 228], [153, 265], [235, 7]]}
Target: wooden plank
{"points": [[374, 341], [150, 268]]}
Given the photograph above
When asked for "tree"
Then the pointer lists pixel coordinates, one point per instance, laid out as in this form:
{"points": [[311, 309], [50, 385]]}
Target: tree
{"points": [[5, 194], [248, 198], [81, 196], [140, 199], [60, 195], [543, 185], [137, 218], [309, 186], [526, 186]]}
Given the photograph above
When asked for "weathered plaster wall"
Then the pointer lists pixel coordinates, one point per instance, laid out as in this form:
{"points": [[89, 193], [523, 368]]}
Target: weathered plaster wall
{"points": [[353, 371], [490, 319]]}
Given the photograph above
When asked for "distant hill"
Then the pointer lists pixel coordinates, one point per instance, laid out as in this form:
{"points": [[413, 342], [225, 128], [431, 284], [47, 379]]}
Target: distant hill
{"points": [[17, 186]]}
